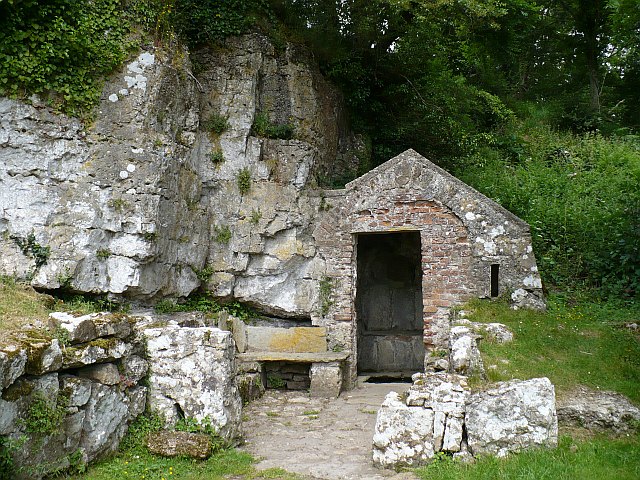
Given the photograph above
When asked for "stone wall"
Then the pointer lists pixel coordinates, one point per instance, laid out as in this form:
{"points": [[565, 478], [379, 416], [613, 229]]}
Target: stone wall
{"points": [[65, 404], [440, 414], [69, 400]]}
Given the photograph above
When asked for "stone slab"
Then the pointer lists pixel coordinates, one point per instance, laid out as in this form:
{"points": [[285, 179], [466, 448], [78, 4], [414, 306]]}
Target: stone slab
{"points": [[293, 357], [295, 339]]}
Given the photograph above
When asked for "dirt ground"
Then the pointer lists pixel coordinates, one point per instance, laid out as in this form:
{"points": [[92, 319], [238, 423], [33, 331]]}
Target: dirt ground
{"points": [[318, 438]]}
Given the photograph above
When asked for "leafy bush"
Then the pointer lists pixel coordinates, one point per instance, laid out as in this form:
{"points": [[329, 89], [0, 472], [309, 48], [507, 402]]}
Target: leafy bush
{"points": [[60, 49], [580, 195], [204, 21], [244, 180], [216, 123]]}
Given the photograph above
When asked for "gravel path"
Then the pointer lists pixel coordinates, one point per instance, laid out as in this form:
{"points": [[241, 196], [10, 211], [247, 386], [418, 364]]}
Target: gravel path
{"points": [[318, 438]]}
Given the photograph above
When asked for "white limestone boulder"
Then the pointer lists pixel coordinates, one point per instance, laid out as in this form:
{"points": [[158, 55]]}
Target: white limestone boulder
{"points": [[511, 417], [193, 374], [403, 435]]}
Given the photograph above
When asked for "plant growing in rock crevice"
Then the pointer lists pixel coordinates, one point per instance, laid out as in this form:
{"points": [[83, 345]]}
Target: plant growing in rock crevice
{"points": [[326, 291], [263, 127], [216, 156], [43, 416], [255, 216], [244, 180], [203, 274], [216, 123], [30, 247], [222, 234]]}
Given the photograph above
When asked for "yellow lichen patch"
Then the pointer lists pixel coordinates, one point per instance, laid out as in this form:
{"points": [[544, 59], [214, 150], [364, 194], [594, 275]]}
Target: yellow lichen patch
{"points": [[299, 339], [289, 249]]}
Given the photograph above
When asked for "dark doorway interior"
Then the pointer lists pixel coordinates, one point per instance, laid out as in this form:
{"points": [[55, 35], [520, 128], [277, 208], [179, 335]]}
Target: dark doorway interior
{"points": [[389, 304]]}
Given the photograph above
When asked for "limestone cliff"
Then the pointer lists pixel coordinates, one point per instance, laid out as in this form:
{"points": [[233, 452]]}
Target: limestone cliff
{"points": [[133, 204]]}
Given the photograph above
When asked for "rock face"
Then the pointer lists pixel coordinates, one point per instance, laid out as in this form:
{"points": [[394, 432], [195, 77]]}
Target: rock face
{"points": [[598, 411], [511, 417], [134, 205], [193, 375], [439, 414]]}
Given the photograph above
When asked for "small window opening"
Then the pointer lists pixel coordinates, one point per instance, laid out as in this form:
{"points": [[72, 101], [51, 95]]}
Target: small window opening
{"points": [[494, 280]]}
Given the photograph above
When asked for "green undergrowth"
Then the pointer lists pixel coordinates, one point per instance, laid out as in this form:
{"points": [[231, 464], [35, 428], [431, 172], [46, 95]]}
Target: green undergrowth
{"points": [[20, 304], [582, 344], [597, 459], [133, 460], [205, 303], [579, 194]]}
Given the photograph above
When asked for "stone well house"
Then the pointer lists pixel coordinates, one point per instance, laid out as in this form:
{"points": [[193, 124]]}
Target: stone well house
{"points": [[403, 244]]}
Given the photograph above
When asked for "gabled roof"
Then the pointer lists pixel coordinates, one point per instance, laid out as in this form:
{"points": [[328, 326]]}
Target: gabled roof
{"points": [[412, 158]]}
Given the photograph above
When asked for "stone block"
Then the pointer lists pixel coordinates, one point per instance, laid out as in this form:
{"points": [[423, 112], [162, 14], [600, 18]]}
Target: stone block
{"points": [[251, 386], [295, 339], [13, 360], [97, 351], [195, 369], [43, 357], [134, 368], [403, 435], [326, 379], [76, 389], [511, 417], [465, 356]]}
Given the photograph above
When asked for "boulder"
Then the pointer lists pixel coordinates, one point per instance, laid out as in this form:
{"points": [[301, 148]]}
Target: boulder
{"points": [[173, 444], [511, 417], [403, 435], [193, 374], [598, 411]]}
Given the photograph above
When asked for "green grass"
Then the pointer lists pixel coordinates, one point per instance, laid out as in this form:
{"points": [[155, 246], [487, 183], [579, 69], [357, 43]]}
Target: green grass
{"points": [[133, 461], [585, 344], [20, 304], [597, 459], [140, 464]]}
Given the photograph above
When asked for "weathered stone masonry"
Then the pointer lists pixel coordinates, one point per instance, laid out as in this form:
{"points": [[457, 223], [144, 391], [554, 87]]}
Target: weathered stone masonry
{"points": [[462, 234]]}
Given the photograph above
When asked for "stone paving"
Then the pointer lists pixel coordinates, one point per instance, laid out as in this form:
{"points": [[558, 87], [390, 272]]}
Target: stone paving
{"points": [[316, 437]]}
